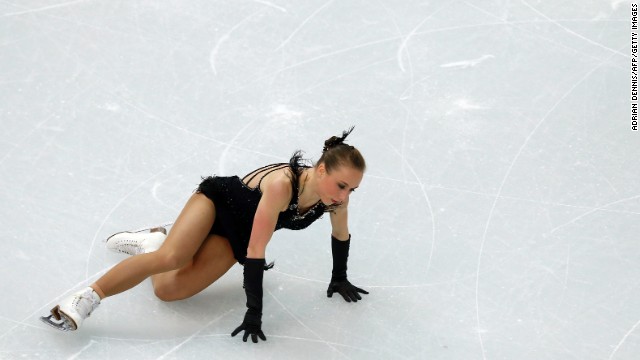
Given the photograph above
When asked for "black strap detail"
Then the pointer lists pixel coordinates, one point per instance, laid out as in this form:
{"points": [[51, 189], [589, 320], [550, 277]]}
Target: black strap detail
{"points": [[271, 168]]}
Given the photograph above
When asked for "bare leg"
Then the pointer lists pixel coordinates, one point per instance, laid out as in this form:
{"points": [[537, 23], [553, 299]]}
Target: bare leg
{"points": [[213, 259], [185, 238]]}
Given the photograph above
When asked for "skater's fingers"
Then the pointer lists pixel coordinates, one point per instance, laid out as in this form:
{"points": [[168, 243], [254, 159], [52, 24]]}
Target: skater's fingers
{"points": [[345, 296], [246, 336], [362, 291], [237, 330], [254, 338], [261, 334]]}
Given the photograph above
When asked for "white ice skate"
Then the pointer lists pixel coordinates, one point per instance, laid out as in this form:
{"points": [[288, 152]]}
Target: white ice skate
{"points": [[72, 311], [135, 243]]}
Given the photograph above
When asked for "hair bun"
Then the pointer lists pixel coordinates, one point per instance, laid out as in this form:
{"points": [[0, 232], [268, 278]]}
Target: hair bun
{"points": [[337, 140]]}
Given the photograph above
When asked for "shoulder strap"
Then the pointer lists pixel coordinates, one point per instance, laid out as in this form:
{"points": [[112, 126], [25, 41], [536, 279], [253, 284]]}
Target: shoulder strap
{"points": [[271, 168], [275, 168]]}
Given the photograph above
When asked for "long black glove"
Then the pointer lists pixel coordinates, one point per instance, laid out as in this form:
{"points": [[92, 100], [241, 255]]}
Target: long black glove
{"points": [[252, 323], [339, 282]]}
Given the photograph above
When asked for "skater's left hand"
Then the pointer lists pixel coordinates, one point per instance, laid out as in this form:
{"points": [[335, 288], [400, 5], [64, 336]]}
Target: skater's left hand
{"points": [[348, 291], [252, 325]]}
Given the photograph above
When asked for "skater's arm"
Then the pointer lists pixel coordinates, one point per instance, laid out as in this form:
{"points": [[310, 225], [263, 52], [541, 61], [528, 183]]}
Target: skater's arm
{"points": [[275, 198], [339, 222], [340, 243]]}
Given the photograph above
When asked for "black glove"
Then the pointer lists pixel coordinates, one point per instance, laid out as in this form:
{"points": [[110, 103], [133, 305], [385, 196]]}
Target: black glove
{"points": [[339, 282], [252, 323], [348, 291]]}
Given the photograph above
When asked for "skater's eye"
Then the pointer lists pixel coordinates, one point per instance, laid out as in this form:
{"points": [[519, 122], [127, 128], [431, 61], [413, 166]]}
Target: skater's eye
{"points": [[344, 186]]}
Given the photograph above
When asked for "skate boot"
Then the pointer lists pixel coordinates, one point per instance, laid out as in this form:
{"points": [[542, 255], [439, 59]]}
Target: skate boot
{"points": [[72, 311], [135, 243]]}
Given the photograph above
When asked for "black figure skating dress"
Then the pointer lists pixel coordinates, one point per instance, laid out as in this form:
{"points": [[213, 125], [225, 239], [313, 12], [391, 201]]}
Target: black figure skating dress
{"points": [[236, 204]]}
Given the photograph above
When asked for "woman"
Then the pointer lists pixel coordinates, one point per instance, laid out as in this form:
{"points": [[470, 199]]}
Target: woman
{"points": [[229, 220]]}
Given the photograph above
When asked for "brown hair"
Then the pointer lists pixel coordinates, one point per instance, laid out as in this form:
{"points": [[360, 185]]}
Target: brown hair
{"points": [[336, 153]]}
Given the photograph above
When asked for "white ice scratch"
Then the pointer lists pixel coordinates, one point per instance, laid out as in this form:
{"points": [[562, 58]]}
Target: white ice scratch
{"points": [[117, 205], [591, 212], [306, 327], [225, 37], [467, 63], [304, 23], [322, 342], [504, 181], [405, 41], [91, 342], [190, 132], [624, 338], [223, 156], [194, 335], [41, 309], [44, 8], [271, 5], [426, 198], [319, 57], [493, 195], [571, 31], [317, 85]]}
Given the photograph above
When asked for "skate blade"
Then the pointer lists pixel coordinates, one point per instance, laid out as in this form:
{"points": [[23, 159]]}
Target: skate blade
{"points": [[161, 229], [59, 320]]}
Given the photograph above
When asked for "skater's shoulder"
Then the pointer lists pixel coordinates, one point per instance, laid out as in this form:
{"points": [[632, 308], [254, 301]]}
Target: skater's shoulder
{"points": [[277, 189]]}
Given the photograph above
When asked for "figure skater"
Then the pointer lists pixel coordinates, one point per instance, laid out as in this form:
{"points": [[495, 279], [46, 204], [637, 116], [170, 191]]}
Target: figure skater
{"points": [[229, 220]]}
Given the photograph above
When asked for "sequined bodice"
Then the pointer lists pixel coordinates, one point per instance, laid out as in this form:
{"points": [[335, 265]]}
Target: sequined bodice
{"points": [[291, 218]]}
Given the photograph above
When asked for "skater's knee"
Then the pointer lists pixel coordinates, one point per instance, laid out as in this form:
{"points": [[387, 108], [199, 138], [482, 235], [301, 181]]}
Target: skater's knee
{"points": [[170, 260], [163, 294], [168, 292]]}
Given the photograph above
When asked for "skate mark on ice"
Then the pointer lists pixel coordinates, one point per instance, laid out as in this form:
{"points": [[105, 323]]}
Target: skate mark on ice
{"points": [[48, 305], [271, 5], [304, 62], [468, 63], [617, 52], [122, 200], [223, 156], [593, 210], [515, 198], [537, 35], [190, 132], [408, 286], [321, 340], [20, 323], [504, 181], [405, 40], [214, 52], [304, 23], [426, 198], [322, 83], [622, 341], [90, 344], [41, 9], [193, 336]]}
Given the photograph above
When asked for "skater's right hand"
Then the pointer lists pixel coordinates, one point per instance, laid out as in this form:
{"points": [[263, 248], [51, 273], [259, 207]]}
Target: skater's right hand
{"points": [[252, 326]]}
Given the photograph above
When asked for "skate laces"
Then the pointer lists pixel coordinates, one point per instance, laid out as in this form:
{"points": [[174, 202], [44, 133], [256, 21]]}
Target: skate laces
{"points": [[85, 302], [129, 246], [136, 243]]}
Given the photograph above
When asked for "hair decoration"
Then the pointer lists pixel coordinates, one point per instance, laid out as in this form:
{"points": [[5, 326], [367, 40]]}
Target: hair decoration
{"points": [[337, 140]]}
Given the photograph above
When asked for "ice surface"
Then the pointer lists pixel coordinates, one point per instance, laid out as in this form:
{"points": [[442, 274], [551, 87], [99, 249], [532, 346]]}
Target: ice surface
{"points": [[498, 219]]}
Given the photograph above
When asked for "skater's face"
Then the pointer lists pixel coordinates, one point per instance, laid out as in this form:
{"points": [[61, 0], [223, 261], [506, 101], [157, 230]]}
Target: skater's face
{"points": [[335, 187]]}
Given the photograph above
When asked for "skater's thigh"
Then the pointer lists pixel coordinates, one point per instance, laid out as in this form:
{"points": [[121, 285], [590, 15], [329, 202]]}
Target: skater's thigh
{"points": [[213, 259], [190, 229]]}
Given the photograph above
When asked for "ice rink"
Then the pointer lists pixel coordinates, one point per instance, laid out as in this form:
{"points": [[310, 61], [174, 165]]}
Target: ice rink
{"points": [[498, 218]]}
